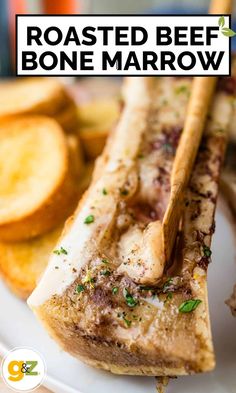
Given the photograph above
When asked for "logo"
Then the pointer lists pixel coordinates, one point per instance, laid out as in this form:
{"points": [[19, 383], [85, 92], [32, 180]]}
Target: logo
{"points": [[23, 369]]}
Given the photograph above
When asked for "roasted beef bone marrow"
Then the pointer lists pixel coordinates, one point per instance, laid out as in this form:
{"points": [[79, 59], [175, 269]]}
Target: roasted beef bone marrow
{"points": [[86, 299]]}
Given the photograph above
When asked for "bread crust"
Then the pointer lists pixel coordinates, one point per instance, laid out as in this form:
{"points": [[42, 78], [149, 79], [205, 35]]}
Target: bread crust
{"points": [[96, 121], [67, 117], [22, 263], [58, 202], [32, 96]]}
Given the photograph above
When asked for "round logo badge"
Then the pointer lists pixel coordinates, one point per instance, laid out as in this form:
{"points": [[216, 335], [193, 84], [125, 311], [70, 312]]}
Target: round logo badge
{"points": [[23, 369]]}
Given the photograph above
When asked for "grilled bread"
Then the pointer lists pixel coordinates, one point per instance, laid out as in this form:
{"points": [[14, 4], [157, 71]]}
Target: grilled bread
{"points": [[68, 118], [96, 120], [44, 96], [22, 263], [89, 304], [38, 186]]}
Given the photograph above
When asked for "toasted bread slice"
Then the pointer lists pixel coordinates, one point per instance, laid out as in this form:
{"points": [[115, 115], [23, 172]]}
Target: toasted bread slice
{"points": [[68, 118], [45, 96], [38, 188], [96, 120], [91, 307], [22, 263]]}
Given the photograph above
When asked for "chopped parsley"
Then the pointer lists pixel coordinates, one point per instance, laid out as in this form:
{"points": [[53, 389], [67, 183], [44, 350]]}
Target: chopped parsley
{"points": [[60, 251], [80, 288], [104, 260], [89, 219], [104, 191], [127, 322], [169, 296], [189, 305], [123, 316], [115, 290], [167, 284], [182, 89], [88, 278], [105, 272], [124, 192], [130, 300], [207, 251]]}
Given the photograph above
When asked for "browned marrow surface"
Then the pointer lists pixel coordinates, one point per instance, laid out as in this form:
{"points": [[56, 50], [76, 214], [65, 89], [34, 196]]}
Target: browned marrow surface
{"points": [[104, 317]]}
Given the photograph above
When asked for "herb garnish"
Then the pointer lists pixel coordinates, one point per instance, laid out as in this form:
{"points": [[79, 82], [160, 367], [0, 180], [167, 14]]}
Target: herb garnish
{"points": [[105, 272], [127, 321], [123, 316], [104, 191], [104, 260], [115, 290], [130, 300], [169, 296], [181, 89], [60, 251], [189, 305], [124, 192], [80, 288], [89, 219], [167, 284], [207, 251], [88, 279]]}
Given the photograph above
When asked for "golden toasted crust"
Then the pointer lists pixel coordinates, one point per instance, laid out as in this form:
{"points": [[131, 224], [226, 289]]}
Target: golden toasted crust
{"points": [[67, 117], [39, 188], [22, 263], [45, 96], [96, 120]]}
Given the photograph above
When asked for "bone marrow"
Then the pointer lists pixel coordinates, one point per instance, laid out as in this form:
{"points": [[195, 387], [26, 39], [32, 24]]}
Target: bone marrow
{"points": [[91, 303]]}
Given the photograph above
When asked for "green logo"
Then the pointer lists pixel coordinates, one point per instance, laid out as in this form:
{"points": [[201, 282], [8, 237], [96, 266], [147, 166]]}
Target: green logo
{"points": [[30, 365], [225, 30]]}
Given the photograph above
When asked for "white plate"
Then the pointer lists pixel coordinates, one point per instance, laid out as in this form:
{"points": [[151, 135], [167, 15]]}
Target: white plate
{"points": [[18, 326]]}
